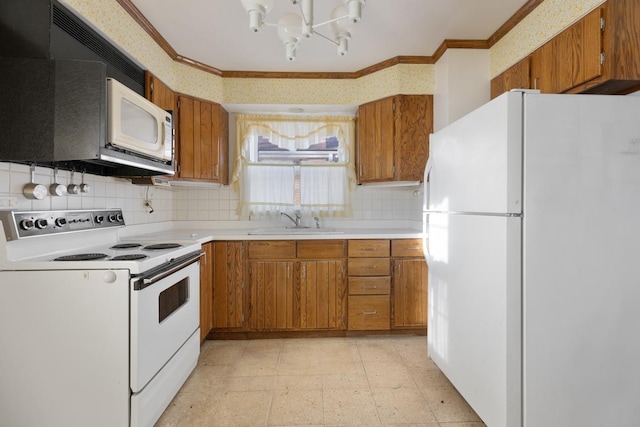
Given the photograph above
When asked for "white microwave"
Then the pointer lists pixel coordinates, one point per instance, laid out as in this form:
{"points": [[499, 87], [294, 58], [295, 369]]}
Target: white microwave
{"points": [[137, 125]]}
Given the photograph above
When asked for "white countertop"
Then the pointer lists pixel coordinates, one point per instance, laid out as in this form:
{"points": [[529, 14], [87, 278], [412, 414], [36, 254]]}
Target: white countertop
{"points": [[206, 231]]}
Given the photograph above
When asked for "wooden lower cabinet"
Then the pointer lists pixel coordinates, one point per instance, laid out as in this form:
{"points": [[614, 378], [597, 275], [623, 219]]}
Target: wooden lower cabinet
{"points": [[369, 312], [409, 287], [228, 286], [290, 292], [206, 290], [313, 286], [322, 294], [274, 303], [369, 285], [409, 293]]}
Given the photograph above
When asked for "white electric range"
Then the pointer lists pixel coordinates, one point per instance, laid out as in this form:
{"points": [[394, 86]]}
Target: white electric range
{"points": [[95, 330]]}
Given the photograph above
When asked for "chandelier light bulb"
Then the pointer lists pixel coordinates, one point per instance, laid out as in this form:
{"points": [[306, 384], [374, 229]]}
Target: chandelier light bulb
{"points": [[257, 9], [289, 31], [340, 28], [355, 10]]}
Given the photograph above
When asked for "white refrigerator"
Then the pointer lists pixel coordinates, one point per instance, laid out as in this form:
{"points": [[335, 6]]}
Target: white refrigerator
{"points": [[532, 206]]}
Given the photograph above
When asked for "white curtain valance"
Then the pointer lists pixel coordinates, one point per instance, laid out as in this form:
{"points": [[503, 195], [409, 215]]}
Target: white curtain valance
{"points": [[266, 188]]}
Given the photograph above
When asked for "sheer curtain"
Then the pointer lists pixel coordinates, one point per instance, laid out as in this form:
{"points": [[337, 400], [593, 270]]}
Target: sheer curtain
{"points": [[311, 187]]}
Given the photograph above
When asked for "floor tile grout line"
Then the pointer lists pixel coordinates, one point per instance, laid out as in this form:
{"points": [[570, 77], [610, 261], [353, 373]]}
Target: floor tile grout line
{"points": [[375, 404]]}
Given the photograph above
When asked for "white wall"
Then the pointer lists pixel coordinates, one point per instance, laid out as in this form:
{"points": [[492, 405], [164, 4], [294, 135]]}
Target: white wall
{"points": [[462, 84]]}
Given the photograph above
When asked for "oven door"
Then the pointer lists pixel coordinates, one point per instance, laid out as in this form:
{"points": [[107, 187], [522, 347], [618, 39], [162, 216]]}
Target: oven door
{"points": [[165, 312]]}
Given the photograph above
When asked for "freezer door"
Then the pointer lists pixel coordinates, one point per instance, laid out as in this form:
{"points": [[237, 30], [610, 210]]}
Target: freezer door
{"points": [[581, 261], [477, 160], [474, 311]]}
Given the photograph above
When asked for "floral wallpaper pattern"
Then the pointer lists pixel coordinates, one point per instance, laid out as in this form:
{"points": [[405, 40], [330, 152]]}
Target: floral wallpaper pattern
{"points": [[547, 20], [112, 20]]}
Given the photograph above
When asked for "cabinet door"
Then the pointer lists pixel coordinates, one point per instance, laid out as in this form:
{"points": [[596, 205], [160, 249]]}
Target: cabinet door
{"points": [[203, 140], [322, 294], [374, 143], [409, 293], [413, 117], [228, 279], [515, 77], [542, 68], [189, 143], [159, 93], [577, 52], [275, 304], [206, 290]]}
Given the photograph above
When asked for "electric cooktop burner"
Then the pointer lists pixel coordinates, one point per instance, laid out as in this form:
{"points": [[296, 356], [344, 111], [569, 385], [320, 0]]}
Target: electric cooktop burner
{"points": [[129, 257], [126, 246], [163, 246], [80, 257]]}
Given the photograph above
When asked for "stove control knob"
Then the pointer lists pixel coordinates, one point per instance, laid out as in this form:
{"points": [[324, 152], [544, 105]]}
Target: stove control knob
{"points": [[99, 219], [41, 223], [26, 224], [119, 218], [112, 218], [61, 222]]}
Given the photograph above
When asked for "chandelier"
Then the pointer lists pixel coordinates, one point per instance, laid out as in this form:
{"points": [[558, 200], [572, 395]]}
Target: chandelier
{"points": [[292, 27]]}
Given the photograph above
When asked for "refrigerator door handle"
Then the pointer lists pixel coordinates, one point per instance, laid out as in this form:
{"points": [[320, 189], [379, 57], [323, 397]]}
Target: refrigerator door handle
{"points": [[425, 207], [427, 173]]}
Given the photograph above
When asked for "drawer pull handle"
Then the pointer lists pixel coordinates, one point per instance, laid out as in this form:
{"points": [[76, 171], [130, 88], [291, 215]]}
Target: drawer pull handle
{"points": [[366, 313], [370, 287]]}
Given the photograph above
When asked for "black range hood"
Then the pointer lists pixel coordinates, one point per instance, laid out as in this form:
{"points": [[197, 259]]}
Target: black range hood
{"points": [[46, 29], [53, 71]]}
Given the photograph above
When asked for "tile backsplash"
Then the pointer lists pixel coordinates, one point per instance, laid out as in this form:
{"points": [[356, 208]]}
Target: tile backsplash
{"points": [[105, 192], [181, 203]]}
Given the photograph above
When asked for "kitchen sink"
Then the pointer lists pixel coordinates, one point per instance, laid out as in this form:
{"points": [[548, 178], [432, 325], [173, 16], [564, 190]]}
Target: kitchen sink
{"points": [[294, 230]]}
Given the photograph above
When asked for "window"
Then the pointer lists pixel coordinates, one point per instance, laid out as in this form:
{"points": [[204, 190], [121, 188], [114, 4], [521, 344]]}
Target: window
{"points": [[286, 163]]}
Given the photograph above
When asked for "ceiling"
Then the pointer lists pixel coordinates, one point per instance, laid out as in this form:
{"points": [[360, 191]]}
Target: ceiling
{"points": [[216, 32]]}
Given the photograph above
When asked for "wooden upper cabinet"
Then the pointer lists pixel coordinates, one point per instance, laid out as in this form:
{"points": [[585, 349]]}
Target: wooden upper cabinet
{"points": [[577, 52], [541, 68], [374, 145], [620, 49], [393, 138], [203, 143], [159, 93], [516, 77], [600, 53]]}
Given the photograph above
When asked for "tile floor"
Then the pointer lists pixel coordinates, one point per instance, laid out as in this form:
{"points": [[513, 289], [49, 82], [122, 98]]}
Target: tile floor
{"points": [[363, 381]]}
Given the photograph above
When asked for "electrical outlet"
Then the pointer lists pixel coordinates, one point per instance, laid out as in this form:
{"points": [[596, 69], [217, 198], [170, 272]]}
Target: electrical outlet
{"points": [[147, 204]]}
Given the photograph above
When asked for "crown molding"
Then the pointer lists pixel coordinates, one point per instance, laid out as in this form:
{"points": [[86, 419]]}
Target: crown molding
{"points": [[517, 17]]}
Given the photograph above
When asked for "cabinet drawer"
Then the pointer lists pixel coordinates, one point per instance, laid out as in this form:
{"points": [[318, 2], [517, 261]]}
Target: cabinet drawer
{"points": [[320, 249], [369, 266], [407, 248], [380, 285], [272, 249], [369, 313], [368, 248]]}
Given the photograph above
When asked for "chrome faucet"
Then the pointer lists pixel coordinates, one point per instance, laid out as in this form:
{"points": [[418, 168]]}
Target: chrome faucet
{"points": [[296, 221]]}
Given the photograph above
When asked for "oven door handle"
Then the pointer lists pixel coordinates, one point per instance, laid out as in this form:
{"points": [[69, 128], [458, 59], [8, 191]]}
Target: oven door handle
{"points": [[166, 270]]}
